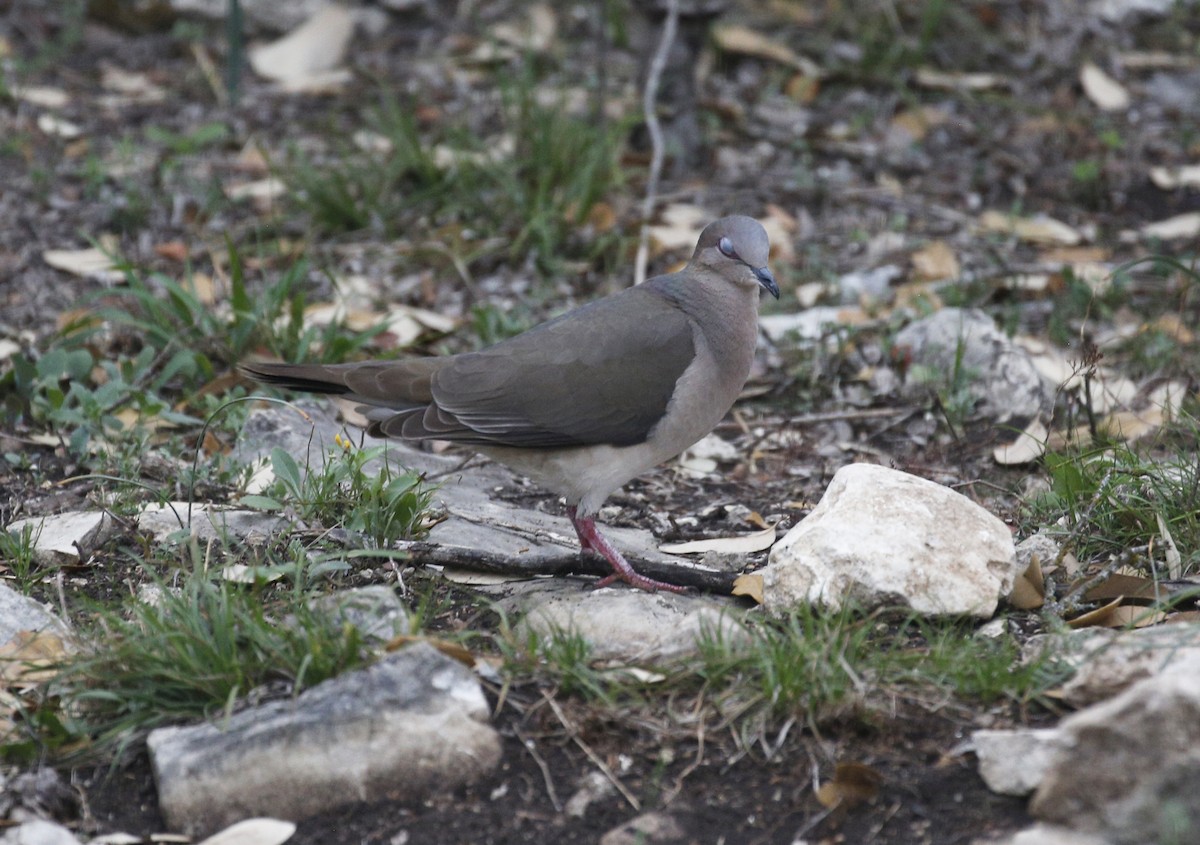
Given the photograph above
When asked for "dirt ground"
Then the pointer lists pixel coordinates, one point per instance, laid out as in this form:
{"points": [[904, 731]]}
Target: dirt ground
{"points": [[1036, 144]]}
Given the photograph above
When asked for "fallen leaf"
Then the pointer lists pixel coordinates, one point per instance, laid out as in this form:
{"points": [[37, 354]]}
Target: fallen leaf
{"points": [[743, 41], [1029, 589], [916, 123], [307, 58], [681, 225], [852, 784], [742, 544], [450, 649], [172, 251], [58, 126], [260, 190], [91, 263], [1075, 255], [1041, 229], [1170, 178], [29, 657], [240, 573], [1174, 228], [40, 95], [1028, 447], [749, 585], [945, 81], [1098, 617], [1118, 586], [935, 261], [1172, 326], [534, 34], [1102, 89], [260, 831], [1170, 551]]}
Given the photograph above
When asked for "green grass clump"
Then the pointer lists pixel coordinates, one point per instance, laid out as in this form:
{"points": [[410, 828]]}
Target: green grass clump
{"points": [[192, 650], [354, 489]]}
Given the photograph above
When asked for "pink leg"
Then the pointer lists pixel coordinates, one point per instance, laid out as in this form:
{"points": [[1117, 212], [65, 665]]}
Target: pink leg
{"points": [[591, 539]]}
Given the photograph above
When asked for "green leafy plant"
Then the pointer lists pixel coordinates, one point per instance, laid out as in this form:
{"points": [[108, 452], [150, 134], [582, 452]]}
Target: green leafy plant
{"points": [[18, 559], [356, 489]]}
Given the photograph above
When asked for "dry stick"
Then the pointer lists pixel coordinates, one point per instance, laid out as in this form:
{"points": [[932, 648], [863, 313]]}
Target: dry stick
{"points": [[593, 756], [530, 746], [567, 563], [649, 110]]}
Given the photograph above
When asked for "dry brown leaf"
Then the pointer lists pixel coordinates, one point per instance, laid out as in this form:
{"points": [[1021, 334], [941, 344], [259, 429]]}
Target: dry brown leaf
{"points": [[1132, 425], [935, 261], [1172, 326], [1039, 230], [534, 34], [451, 650], [40, 95], [259, 190], [1028, 447], [1102, 89], [28, 658], [172, 251], [201, 286], [90, 263], [917, 122], [1170, 178], [257, 831], [742, 544], [949, 81], [1098, 617], [1075, 255], [1029, 589], [733, 38], [919, 296], [680, 227], [749, 585], [307, 58], [802, 88], [852, 784], [1174, 228], [1130, 615], [1128, 586]]}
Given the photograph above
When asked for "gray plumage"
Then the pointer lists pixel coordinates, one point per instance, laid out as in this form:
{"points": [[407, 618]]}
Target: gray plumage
{"points": [[592, 398]]}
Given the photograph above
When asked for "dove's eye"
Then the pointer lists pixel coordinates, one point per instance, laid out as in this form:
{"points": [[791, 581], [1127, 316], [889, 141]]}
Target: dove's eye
{"points": [[726, 248]]}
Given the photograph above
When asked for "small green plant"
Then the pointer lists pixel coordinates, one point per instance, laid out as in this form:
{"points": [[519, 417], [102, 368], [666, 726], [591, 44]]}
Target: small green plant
{"points": [[356, 489], [18, 559], [1112, 499]]}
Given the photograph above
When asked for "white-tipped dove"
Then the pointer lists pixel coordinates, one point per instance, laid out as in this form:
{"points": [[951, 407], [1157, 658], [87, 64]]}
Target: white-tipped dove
{"points": [[587, 401]]}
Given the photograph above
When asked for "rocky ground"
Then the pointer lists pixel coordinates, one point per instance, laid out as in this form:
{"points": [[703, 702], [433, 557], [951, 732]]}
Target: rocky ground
{"points": [[908, 160]]}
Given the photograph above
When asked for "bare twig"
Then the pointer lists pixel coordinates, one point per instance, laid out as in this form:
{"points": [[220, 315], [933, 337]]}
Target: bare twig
{"points": [[593, 756], [654, 128], [567, 563], [551, 793]]}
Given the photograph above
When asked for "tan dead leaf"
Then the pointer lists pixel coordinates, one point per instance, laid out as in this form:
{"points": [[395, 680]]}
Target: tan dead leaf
{"points": [[852, 784], [240, 573], [132, 86], [40, 95], [58, 127], [258, 190], [172, 251], [680, 227], [802, 88], [602, 217], [90, 263], [1038, 230], [1029, 589], [1098, 617], [257, 831], [1174, 228], [742, 544], [1170, 178], [919, 296], [917, 122], [1172, 326], [450, 649], [1131, 426], [750, 585], [950, 81], [1075, 255], [28, 658], [535, 33], [1028, 446], [1102, 89], [1133, 616], [780, 227], [252, 159], [201, 286], [743, 41], [1120, 585], [935, 261], [1170, 551], [308, 57]]}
